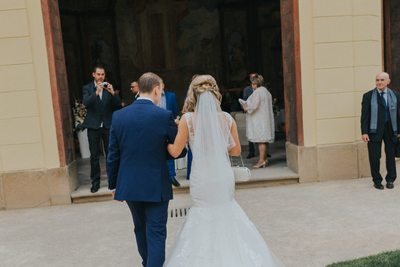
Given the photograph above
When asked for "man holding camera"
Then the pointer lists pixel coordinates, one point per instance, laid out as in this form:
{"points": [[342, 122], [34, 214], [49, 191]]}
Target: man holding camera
{"points": [[100, 100]]}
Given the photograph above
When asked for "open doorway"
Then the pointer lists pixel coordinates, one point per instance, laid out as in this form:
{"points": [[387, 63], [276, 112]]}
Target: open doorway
{"points": [[227, 38], [392, 41]]}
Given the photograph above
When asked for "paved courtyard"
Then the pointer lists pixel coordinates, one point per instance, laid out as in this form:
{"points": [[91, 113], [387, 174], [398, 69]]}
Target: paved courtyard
{"points": [[304, 224]]}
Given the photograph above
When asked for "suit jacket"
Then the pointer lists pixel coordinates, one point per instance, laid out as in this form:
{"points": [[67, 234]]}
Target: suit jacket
{"points": [[137, 152], [366, 117], [247, 91], [170, 99], [135, 97], [99, 110]]}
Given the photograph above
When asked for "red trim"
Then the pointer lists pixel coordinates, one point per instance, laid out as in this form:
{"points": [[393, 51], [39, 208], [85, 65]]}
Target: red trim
{"points": [[292, 71], [49, 35], [299, 99], [387, 38]]}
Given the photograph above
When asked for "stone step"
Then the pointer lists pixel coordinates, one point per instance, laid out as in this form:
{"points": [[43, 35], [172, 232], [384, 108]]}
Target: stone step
{"points": [[271, 176], [83, 194]]}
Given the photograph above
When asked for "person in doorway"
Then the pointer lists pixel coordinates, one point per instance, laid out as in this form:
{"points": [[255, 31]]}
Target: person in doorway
{"points": [[100, 100], [380, 122], [260, 119], [247, 91], [168, 101], [135, 90], [137, 169]]}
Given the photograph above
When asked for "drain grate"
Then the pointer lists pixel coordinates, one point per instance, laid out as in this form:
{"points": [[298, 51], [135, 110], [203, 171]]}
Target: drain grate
{"points": [[178, 212]]}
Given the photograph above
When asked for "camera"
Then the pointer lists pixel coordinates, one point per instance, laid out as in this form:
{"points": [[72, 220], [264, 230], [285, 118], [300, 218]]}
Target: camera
{"points": [[105, 84]]}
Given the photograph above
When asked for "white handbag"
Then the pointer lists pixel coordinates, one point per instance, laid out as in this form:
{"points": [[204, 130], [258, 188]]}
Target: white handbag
{"points": [[241, 173]]}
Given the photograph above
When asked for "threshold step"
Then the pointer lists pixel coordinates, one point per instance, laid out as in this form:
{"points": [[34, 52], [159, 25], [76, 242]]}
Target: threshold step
{"points": [[259, 178]]}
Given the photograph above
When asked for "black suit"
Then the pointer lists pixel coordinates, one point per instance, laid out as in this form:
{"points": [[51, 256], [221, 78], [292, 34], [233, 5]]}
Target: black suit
{"points": [[383, 132], [98, 121]]}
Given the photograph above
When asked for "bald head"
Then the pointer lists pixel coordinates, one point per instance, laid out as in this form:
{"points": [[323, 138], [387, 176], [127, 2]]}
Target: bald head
{"points": [[383, 74], [382, 80]]}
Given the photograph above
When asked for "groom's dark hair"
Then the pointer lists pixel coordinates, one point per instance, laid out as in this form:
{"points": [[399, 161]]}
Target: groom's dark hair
{"points": [[148, 81]]}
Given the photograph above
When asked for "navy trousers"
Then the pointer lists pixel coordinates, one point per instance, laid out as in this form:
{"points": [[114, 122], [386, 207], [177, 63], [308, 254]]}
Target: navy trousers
{"points": [[189, 163], [150, 220]]}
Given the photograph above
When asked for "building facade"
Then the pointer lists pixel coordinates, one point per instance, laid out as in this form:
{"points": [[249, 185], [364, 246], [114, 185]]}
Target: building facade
{"points": [[331, 52]]}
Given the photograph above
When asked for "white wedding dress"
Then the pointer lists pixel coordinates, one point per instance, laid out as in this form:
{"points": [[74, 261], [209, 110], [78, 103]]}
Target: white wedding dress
{"points": [[216, 233]]}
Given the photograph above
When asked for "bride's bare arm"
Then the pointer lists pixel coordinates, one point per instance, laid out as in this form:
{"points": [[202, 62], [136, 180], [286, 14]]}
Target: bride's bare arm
{"points": [[236, 150], [181, 138]]}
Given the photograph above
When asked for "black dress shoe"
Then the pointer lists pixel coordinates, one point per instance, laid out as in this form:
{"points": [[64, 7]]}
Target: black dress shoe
{"points": [[379, 186], [94, 188], [389, 185], [175, 182], [249, 156]]}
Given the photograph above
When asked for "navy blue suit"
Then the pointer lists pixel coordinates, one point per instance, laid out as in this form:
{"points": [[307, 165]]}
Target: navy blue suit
{"points": [[171, 105], [99, 110], [136, 169]]}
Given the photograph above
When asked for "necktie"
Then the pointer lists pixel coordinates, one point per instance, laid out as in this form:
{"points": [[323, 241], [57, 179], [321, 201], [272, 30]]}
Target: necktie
{"points": [[383, 98], [385, 114]]}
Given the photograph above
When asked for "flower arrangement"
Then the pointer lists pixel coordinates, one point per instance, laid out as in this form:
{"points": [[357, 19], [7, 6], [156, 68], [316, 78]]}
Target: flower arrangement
{"points": [[79, 111]]}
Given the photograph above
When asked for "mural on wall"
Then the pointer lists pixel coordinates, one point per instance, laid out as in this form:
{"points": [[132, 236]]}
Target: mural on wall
{"points": [[234, 43], [101, 46], [271, 42], [197, 43], [176, 39]]}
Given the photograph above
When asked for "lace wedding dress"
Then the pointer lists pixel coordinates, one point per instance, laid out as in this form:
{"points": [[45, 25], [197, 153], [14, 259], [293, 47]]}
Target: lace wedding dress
{"points": [[216, 233]]}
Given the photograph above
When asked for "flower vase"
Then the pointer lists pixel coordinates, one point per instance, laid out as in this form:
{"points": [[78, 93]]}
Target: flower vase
{"points": [[83, 143]]}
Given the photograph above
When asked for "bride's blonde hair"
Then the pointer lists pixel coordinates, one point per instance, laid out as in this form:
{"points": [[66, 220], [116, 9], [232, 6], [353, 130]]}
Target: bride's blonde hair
{"points": [[200, 84]]}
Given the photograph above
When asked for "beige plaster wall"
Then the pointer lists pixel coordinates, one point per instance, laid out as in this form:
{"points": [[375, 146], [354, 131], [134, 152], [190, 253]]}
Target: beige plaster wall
{"points": [[29, 158], [341, 52], [28, 135], [341, 47]]}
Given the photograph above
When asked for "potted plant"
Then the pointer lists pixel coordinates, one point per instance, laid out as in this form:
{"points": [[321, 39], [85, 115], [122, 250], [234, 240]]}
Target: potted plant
{"points": [[79, 111]]}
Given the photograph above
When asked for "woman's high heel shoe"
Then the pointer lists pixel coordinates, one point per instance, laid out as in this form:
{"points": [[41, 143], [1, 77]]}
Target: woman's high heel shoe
{"points": [[261, 165]]}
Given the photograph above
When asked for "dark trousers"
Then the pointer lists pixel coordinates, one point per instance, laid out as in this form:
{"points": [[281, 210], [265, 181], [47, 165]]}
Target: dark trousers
{"points": [[189, 163], [95, 136], [150, 220], [251, 148], [374, 154]]}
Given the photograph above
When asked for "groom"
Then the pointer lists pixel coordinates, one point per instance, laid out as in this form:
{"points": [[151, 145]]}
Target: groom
{"points": [[137, 169]]}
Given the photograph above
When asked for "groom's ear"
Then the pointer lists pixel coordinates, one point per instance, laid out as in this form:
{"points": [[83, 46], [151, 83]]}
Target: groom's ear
{"points": [[157, 89]]}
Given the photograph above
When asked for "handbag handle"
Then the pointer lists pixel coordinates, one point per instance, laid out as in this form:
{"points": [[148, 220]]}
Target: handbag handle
{"points": [[241, 159]]}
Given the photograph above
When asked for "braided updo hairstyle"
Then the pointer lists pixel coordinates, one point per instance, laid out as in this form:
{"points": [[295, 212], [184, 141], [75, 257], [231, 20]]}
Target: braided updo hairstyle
{"points": [[200, 84]]}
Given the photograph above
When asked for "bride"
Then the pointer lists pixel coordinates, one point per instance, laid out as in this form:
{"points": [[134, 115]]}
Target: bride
{"points": [[217, 233]]}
